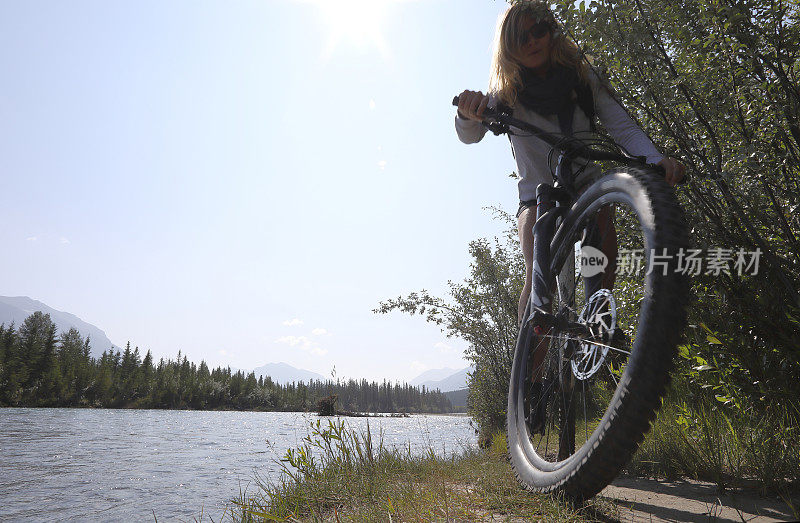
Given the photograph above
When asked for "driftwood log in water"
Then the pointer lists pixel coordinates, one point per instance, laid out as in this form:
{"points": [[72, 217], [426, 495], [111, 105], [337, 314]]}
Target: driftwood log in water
{"points": [[372, 414], [327, 407]]}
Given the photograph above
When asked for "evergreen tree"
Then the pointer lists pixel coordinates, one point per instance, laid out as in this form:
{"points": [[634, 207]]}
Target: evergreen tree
{"points": [[74, 364], [38, 346], [13, 369], [146, 376]]}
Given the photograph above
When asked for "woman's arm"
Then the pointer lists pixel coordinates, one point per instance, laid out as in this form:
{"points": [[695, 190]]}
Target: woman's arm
{"points": [[625, 132], [469, 131], [468, 120], [619, 124]]}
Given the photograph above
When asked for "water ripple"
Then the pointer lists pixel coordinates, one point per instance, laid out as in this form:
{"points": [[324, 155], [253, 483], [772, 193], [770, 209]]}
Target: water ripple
{"points": [[111, 465]]}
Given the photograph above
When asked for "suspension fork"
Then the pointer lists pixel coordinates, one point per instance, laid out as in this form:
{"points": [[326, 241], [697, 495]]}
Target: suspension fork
{"points": [[547, 213]]}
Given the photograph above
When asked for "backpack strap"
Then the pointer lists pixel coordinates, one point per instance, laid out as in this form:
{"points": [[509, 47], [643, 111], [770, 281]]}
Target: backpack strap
{"points": [[586, 102], [503, 108]]}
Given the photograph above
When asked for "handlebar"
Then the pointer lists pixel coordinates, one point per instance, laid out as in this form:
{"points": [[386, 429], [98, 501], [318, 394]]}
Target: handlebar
{"points": [[570, 146], [499, 122]]}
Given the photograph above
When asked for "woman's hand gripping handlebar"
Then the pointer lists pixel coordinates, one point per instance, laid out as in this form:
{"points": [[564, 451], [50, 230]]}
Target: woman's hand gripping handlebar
{"points": [[472, 105]]}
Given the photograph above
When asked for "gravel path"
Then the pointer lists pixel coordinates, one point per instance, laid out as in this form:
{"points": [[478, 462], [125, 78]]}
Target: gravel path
{"points": [[652, 500]]}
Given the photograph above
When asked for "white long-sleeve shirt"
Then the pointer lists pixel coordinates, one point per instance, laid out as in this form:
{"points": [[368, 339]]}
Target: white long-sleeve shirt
{"points": [[531, 152]]}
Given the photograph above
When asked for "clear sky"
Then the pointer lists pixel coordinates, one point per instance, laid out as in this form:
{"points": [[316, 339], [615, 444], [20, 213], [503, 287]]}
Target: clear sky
{"points": [[246, 180]]}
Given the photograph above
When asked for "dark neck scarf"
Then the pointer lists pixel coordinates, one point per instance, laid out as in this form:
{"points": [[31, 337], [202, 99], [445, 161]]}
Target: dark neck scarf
{"points": [[550, 94]]}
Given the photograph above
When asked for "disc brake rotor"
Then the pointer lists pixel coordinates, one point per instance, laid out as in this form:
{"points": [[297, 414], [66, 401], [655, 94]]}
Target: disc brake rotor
{"points": [[600, 315]]}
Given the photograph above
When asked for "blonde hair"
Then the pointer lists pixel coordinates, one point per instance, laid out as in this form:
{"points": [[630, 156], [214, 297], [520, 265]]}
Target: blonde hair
{"points": [[505, 80]]}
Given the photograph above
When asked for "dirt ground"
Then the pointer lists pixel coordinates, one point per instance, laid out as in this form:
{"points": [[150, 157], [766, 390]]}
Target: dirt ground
{"points": [[652, 500]]}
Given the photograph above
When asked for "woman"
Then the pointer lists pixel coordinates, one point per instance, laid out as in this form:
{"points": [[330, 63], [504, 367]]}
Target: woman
{"points": [[539, 73]]}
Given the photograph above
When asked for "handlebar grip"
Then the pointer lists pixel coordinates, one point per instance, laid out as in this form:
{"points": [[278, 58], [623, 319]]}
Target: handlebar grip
{"points": [[487, 111]]}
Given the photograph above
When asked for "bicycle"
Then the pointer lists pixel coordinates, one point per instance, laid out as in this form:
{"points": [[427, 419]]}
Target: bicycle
{"points": [[579, 407]]}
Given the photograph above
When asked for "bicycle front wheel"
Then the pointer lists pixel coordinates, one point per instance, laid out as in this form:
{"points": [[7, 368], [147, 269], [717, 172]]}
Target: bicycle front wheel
{"points": [[578, 412]]}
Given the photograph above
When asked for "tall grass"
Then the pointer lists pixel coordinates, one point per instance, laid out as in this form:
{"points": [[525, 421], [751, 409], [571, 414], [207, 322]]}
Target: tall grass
{"points": [[706, 440], [338, 474]]}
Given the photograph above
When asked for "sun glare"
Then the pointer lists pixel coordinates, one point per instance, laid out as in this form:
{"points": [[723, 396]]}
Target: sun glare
{"points": [[357, 22]]}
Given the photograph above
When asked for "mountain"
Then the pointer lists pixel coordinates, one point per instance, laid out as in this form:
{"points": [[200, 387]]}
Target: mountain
{"points": [[458, 399], [455, 381], [285, 373], [432, 375], [16, 309]]}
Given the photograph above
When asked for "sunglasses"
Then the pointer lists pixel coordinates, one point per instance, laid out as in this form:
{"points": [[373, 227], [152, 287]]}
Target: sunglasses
{"points": [[536, 31]]}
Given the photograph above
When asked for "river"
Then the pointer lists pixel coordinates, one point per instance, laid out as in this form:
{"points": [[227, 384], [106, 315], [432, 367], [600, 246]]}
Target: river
{"points": [[134, 465]]}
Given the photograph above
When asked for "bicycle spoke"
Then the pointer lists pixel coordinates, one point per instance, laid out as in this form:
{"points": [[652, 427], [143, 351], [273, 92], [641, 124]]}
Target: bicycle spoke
{"points": [[613, 376]]}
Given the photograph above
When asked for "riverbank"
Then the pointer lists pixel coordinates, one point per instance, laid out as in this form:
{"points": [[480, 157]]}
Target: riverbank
{"points": [[334, 476]]}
